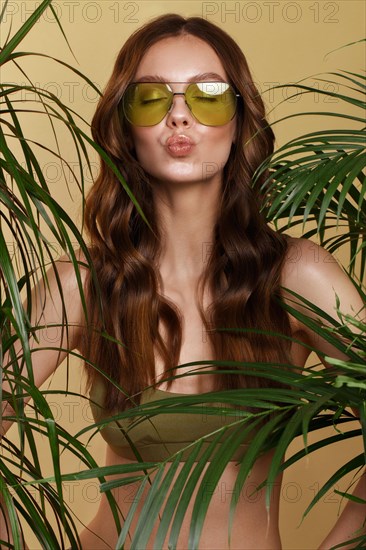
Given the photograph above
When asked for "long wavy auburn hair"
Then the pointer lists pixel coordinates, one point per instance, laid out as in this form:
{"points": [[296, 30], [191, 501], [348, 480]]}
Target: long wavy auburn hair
{"points": [[244, 265]]}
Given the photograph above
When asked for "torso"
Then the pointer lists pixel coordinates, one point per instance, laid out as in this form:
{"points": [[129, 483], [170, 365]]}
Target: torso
{"points": [[251, 527]]}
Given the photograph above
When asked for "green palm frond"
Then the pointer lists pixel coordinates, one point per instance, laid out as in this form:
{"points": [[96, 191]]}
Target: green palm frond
{"points": [[28, 214], [320, 176]]}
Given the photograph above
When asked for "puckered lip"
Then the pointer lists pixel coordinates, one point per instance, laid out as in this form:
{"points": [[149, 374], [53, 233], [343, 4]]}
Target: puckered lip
{"points": [[179, 139]]}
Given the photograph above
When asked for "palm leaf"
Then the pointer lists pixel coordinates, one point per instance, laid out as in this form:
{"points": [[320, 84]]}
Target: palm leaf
{"points": [[321, 175]]}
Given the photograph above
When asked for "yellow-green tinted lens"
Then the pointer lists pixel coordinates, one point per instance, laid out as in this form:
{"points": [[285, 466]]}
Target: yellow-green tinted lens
{"points": [[212, 103], [146, 103]]}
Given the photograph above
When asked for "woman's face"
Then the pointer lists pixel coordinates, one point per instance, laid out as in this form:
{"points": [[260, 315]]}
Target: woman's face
{"points": [[202, 151]]}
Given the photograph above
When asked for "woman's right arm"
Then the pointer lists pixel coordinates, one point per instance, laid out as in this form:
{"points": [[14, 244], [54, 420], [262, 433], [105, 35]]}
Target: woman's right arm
{"points": [[50, 308]]}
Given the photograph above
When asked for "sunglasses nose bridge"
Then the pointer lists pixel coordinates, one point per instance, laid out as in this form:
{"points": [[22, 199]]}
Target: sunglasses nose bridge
{"points": [[172, 100]]}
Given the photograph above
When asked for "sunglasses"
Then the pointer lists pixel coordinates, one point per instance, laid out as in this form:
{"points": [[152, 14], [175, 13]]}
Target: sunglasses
{"points": [[211, 103]]}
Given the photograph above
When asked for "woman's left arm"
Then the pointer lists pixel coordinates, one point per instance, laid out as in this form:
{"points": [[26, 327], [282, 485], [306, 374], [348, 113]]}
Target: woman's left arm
{"points": [[314, 274]]}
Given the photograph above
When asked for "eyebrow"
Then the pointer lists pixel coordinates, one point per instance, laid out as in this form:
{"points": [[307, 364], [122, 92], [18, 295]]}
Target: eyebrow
{"points": [[196, 78]]}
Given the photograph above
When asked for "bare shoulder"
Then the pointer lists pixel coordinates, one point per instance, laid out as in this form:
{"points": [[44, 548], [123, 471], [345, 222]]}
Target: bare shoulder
{"points": [[307, 258], [313, 273], [71, 270], [59, 297]]}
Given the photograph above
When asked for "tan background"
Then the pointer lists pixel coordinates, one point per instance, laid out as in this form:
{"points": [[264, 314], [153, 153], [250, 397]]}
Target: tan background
{"points": [[284, 42]]}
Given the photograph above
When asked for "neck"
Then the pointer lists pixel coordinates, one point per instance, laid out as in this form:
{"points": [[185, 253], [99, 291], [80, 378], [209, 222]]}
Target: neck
{"points": [[187, 216]]}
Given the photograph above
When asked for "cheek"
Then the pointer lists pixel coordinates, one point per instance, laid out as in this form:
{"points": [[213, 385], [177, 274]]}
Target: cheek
{"points": [[143, 145], [219, 144], [221, 135]]}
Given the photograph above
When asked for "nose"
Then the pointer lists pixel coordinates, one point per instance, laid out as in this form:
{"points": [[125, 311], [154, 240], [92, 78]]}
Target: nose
{"points": [[179, 113]]}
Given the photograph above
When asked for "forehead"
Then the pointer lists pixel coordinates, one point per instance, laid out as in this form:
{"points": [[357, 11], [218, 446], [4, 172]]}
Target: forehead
{"points": [[179, 58]]}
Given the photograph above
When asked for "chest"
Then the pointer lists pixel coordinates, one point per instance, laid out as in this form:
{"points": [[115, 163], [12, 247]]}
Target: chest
{"points": [[196, 345]]}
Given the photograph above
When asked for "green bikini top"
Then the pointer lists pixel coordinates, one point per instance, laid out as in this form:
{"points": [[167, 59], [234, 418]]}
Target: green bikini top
{"points": [[158, 437]]}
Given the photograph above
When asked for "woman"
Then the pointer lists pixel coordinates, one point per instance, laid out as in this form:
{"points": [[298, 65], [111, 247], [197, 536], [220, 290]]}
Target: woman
{"points": [[183, 121]]}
